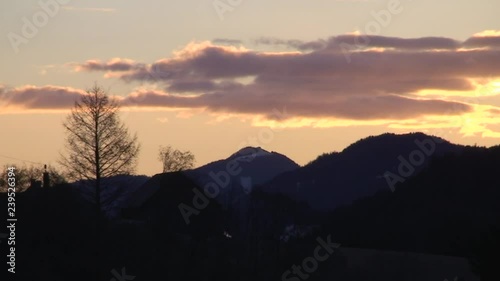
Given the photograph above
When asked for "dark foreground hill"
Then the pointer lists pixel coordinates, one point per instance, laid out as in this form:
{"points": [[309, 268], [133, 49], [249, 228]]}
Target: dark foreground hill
{"points": [[451, 208], [57, 238], [445, 204]]}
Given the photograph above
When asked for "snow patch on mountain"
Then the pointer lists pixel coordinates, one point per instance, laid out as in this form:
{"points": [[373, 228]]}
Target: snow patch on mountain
{"points": [[249, 153]]}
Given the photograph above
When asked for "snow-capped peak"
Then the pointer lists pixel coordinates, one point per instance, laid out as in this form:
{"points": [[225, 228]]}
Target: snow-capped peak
{"points": [[250, 153]]}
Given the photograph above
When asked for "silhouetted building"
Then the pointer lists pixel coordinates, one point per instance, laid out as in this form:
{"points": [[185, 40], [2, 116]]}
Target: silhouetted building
{"points": [[45, 182], [46, 177]]}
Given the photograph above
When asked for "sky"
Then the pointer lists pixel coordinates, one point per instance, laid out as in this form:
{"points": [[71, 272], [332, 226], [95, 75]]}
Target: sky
{"points": [[212, 76]]}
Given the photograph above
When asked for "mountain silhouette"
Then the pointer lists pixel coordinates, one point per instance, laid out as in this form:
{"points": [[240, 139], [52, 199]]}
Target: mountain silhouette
{"points": [[400, 206], [236, 175], [255, 162], [360, 170], [451, 208]]}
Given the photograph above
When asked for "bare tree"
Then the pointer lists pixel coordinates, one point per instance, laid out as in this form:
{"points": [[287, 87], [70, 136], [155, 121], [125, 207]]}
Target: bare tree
{"points": [[98, 145], [175, 160]]}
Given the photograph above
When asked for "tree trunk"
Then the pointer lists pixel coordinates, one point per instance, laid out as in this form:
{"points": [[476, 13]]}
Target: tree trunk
{"points": [[97, 197], [98, 228]]}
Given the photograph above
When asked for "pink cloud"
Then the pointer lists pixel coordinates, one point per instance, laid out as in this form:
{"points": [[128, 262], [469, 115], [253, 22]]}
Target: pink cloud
{"points": [[378, 81]]}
